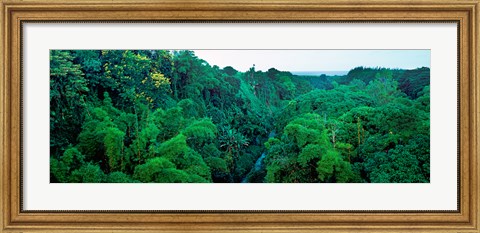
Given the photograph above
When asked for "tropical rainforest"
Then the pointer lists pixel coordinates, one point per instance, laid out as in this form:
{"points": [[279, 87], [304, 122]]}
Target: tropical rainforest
{"points": [[160, 116]]}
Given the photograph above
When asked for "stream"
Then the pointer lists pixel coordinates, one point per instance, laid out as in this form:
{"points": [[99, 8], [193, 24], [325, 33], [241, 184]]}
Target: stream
{"points": [[256, 167], [259, 162]]}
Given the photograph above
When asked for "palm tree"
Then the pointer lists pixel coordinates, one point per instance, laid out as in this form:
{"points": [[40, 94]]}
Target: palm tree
{"points": [[232, 141]]}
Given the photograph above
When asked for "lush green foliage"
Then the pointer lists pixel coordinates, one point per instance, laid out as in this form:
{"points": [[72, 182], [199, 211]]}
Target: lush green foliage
{"points": [[159, 116]]}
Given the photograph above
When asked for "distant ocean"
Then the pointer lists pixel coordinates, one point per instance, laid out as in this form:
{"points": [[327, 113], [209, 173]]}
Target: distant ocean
{"points": [[318, 73]]}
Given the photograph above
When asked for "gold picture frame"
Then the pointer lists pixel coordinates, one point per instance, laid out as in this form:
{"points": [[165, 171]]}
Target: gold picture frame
{"points": [[464, 12]]}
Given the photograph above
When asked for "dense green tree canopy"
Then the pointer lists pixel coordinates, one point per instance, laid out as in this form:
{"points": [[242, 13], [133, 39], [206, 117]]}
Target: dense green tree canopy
{"points": [[122, 116]]}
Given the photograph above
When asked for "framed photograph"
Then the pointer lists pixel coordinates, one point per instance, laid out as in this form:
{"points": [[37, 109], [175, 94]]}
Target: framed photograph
{"points": [[251, 116]]}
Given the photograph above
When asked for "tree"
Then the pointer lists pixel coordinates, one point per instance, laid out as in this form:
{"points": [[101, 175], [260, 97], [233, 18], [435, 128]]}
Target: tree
{"points": [[68, 93], [384, 88], [60, 169], [88, 173], [311, 156]]}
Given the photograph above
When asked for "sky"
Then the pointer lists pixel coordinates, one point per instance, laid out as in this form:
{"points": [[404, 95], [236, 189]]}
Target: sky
{"points": [[315, 60]]}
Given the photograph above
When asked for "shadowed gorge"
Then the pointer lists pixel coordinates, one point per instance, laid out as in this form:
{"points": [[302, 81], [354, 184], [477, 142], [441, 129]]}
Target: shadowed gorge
{"points": [[160, 116]]}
